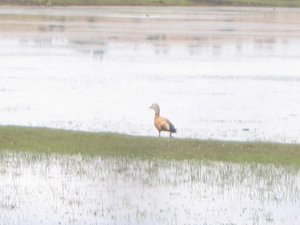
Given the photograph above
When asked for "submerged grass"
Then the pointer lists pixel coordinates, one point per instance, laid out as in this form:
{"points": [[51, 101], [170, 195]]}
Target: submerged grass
{"points": [[108, 144]]}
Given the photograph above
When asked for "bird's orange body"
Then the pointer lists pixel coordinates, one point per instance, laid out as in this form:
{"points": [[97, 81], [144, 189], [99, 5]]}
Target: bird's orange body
{"points": [[162, 124]]}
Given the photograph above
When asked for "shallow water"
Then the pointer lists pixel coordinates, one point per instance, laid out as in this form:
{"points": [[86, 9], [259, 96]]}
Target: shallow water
{"points": [[81, 189], [217, 73]]}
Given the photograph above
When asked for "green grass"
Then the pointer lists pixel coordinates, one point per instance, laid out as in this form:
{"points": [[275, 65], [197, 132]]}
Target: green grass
{"points": [[108, 144], [273, 3]]}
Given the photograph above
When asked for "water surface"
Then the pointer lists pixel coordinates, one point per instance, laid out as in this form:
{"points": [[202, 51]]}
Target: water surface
{"points": [[217, 73], [81, 189]]}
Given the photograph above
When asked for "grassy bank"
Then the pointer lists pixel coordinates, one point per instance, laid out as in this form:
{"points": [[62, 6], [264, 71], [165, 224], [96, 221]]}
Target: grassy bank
{"points": [[272, 3], [106, 144]]}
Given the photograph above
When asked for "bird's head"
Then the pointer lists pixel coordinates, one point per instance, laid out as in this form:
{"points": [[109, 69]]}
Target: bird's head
{"points": [[155, 107]]}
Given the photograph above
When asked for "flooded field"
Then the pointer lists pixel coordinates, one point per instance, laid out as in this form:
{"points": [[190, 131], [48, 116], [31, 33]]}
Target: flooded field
{"points": [[217, 73], [81, 189]]}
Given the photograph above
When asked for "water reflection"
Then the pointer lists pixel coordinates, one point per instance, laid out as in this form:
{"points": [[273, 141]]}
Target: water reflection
{"points": [[267, 43], [80, 189], [219, 70]]}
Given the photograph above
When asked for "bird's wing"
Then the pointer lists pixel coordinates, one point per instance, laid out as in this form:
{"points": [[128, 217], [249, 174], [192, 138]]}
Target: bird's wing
{"points": [[167, 125], [171, 126]]}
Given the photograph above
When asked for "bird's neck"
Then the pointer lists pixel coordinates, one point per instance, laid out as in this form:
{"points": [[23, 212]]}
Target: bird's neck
{"points": [[156, 114]]}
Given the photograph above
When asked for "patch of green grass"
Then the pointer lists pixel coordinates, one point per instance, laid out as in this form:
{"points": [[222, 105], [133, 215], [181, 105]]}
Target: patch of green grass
{"points": [[272, 3], [96, 2], [108, 144]]}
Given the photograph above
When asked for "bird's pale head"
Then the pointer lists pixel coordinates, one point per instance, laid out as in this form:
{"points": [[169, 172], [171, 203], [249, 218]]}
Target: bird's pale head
{"points": [[155, 107]]}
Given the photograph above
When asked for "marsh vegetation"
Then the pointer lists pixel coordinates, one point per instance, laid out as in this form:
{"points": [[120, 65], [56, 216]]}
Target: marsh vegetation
{"points": [[90, 73], [47, 188], [108, 144]]}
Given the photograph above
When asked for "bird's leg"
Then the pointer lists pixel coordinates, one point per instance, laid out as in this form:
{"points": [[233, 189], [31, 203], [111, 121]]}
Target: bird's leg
{"points": [[158, 133], [170, 135]]}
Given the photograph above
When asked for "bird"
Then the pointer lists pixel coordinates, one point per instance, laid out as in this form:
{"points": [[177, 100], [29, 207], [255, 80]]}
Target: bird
{"points": [[162, 124]]}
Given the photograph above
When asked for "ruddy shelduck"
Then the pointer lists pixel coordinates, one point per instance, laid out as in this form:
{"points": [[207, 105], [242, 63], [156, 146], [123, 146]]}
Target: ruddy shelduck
{"points": [[162, 124]]}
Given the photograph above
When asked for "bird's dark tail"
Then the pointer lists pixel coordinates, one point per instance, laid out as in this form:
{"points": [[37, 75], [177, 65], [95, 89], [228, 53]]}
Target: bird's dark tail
{"points": [[172, 128]]}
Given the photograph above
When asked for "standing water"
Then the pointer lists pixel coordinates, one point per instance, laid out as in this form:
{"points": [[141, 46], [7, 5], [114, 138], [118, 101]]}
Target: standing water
{"points": [[80, 189], [217, 73]]}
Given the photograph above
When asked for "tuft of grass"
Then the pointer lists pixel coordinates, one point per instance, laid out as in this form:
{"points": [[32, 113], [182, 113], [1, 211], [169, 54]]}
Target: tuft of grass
{"points": [[108, 144]]}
